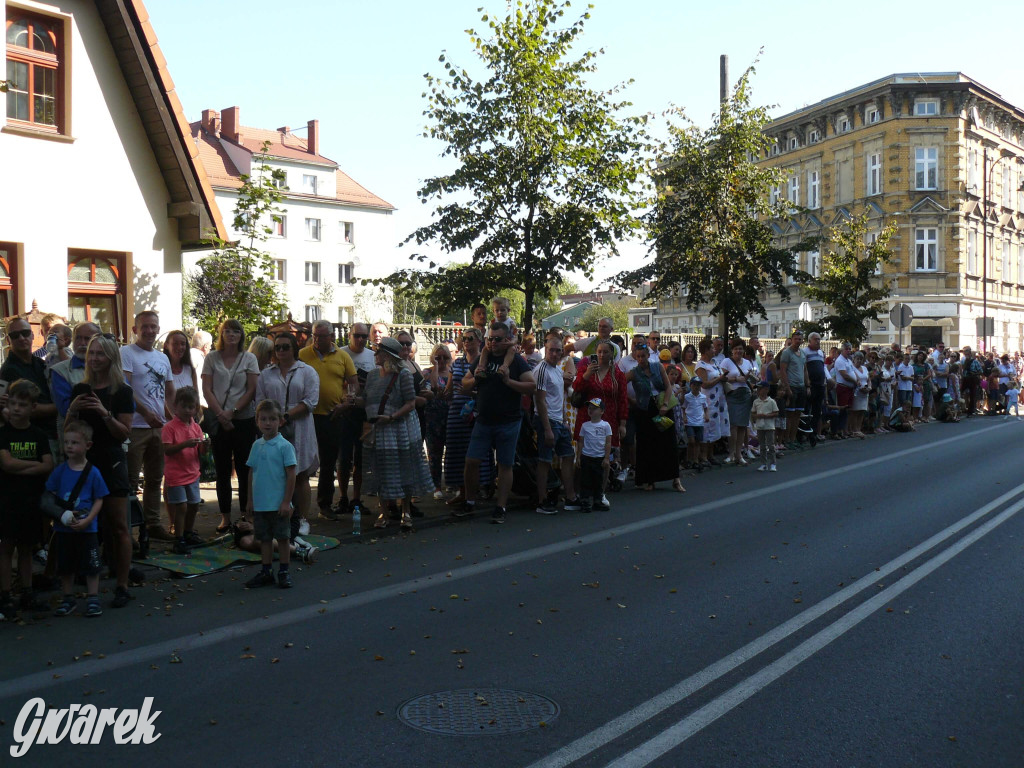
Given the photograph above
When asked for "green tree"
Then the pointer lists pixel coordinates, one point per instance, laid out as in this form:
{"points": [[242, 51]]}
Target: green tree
{"points": [[849, 285], [237, 279], [709, 227], [548, 171], [617, 310]]}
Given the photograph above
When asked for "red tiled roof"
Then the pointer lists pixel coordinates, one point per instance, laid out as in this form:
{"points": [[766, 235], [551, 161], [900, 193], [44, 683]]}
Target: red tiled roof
{"points": [[350, 191], [219, 168], [285, 145]]}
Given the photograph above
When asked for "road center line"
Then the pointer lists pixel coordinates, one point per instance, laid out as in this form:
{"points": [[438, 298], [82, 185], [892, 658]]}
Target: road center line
{"points": [[613, 729], [675, 735], [246, 628]]}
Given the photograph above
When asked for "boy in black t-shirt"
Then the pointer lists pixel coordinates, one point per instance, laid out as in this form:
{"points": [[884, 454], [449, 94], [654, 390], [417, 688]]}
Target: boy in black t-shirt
{"points": [[25, 463]]}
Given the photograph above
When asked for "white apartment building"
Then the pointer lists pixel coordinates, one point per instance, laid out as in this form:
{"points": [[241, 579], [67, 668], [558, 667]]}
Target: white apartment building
{"points": [[332, 231]]}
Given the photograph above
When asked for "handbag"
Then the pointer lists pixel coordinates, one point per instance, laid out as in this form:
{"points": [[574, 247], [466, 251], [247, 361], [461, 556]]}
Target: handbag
{"points": [[54, 507], [369, 435]]}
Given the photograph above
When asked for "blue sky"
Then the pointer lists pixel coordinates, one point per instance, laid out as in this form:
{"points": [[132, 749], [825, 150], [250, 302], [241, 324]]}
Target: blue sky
{"points": [[358, 67]]}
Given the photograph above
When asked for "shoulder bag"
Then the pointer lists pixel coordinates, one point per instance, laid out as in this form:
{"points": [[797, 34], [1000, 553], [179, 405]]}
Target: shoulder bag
{"points": [[369, 436], [211, 425], [54, 507]]}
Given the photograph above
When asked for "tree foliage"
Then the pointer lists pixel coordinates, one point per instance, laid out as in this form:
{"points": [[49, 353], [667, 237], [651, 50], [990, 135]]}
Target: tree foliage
{"points": [[848, 285], [709, 227], [548, 171], [237, 279]]}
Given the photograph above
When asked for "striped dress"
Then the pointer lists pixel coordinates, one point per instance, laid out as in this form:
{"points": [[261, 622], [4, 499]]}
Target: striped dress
{"points": [[458, 431]]}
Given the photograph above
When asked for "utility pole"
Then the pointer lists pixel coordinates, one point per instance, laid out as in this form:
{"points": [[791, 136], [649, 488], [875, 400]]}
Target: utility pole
{"points": [[723, 97]]}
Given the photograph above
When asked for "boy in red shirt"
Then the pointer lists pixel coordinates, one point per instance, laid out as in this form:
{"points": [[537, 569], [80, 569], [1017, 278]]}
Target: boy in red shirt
{"points": [[183, 442]]}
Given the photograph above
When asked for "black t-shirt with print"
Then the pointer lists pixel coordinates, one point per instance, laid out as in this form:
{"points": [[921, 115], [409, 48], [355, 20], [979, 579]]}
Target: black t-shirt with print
{"points": [[29, 444], [34, 371]]}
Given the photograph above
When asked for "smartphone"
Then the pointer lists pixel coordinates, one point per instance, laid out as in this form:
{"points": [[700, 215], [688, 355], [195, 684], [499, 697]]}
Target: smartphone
{"points": [[81, 389], [593, 359]]}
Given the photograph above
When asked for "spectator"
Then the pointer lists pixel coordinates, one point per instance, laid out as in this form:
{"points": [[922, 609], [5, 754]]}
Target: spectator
{"points": [[378, 331], [64, 375], [183, 442], [294, 386], [478, 318], [439, 379], [593, 456], [718, 350], [461, 415], [696, 413], [499, 414], [712, 377], [861, 389], [46, 325], [338, 382], [202, 343], [148, 372], [22, 364], [904, 379], [738, 374], [395, 454], [793, 385], [350, 451], [62, 337], [262, 349], [922, 384], [687, 364], [597, 376], [177, 351], [656, 457], [816, 376], [229, 381], [530, 351], [553, 436], [626, 363], [588, 346], [105, 402], [845, 374], [765, 412]]}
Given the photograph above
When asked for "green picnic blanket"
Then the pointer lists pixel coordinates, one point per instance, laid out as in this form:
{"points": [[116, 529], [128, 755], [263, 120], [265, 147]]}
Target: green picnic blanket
{"points": [[217, 555]]}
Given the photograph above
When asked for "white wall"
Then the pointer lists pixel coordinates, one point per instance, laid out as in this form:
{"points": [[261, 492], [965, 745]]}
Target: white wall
{"points": [[104, 191]]}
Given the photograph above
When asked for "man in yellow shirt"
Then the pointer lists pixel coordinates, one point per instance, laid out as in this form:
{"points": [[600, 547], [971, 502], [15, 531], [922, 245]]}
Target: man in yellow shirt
{"points": [[338, 380]]}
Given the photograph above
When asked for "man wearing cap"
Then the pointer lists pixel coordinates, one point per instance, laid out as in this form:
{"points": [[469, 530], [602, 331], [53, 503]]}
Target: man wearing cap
{"points": [[499, 412]]}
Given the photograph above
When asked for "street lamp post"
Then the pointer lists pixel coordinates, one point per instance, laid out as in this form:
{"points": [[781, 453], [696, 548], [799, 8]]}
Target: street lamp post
{"points": [[987, 182]]}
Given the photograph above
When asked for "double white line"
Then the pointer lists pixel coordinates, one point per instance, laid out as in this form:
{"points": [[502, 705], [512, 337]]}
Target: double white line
{"points": [[676, 734]]}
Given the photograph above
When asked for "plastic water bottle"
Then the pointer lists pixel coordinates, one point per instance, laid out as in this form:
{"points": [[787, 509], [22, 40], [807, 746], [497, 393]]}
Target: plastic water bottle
{"points": [[51, 344], [357, 520]]}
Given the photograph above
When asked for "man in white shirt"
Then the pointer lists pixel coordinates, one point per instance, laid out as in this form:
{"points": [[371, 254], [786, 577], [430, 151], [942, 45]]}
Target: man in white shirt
{"points": [[553, 436], [905, 380], [202, 343], [350, 451], [149, 374]]}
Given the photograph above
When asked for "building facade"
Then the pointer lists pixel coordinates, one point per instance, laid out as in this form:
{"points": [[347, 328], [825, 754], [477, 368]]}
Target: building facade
{"points": [[331, 231], [104, 192], [941, 157]]}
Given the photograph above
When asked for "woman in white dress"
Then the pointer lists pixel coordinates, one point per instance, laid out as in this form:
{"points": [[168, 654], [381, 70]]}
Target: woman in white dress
{"points": [[712, 377]]}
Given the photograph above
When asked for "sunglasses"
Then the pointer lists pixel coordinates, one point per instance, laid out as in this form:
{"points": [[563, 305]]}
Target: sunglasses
{"points": [[282, 347], [360, 335], [469, 338], [20, 334], [495, 339]]}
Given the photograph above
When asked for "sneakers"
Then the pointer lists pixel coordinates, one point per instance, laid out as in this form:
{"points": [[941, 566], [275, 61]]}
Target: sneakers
{"points": [[763, 468], [326, 513], [771, 468], [284, 581], [604, 501], [309, 554], [465, 509], [93, 608], [262, 579], [40, 557], [438, 494], [180, 547], [546, 508], [193, 539], [121, 598], [303, 527], [498, 515], [586, 508], [159, 533], [67, 606], [602, 505], [572, 505]]}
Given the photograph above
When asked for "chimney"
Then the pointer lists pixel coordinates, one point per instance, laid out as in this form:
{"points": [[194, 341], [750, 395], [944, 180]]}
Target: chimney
{"points": [[211, 121], [231, 125], [313, 137], [284, 129]]}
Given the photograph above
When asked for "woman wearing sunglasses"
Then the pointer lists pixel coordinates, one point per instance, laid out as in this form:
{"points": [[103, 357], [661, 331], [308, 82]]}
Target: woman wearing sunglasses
{"points": [[295, 387]]}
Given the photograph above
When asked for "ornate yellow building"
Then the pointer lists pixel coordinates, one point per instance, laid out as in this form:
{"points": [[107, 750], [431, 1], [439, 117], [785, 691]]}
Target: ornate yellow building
{"points": [[935, 153]]}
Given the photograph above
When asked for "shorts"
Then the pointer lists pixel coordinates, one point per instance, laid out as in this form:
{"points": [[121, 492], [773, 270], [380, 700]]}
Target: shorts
{"points": [[21, 528], [350, 447], [268, 526], [695, 433], [115, 474], [77, 553], [797, 399], [563, 441], [844, 395], [501, 438], [183, 494]]}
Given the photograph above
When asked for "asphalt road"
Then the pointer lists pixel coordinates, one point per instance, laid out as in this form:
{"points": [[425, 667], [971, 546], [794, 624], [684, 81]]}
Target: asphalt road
{"points": [[861, 607]]}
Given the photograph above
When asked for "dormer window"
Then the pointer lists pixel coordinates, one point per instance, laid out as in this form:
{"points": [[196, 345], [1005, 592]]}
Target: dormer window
{"points": [[843, 124], [872, 115], [813, 136], [926, 107], [773, 151]]}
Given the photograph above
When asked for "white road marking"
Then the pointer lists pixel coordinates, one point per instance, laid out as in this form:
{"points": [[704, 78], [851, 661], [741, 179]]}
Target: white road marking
{"points": [[613, 729], [672, 737], [245, 629]]}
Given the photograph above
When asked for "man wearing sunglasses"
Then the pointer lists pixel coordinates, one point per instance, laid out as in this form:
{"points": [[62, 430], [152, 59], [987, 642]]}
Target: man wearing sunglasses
{"points": [[499, 414], [350, 449], [21, 364]]}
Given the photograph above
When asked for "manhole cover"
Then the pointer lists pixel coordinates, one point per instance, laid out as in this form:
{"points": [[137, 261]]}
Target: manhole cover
{"points": [[477, 712]]}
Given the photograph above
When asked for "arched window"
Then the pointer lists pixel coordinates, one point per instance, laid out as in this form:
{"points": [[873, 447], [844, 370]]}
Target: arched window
{"points": [[35, 70], [96, 292]]}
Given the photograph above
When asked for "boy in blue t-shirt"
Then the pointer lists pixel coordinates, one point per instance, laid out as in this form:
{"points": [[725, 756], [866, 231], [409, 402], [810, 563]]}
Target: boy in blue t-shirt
{"points": [[78, 548], [271, 485]]}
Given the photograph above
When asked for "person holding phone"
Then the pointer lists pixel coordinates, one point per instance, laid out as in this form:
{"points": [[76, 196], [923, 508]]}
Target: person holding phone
{"points": [[598, 376]]}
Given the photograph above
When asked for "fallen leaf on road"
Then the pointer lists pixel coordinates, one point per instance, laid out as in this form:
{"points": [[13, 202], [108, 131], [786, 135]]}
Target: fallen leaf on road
{"points": [[378, 658], [175, 659], [592, 584], [274, 660], [248, 656], [673, 591]]}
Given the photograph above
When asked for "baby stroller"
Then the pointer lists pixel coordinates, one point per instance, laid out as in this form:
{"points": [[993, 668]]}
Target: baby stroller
{"points": [[524, 465]]}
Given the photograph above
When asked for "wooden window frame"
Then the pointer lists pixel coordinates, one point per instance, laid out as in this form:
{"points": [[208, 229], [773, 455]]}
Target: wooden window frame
{"points": [[59, 62], [118, 290]]}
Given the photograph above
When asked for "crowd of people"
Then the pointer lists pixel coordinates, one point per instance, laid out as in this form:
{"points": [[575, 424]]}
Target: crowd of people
{"points": [[89, 424]]}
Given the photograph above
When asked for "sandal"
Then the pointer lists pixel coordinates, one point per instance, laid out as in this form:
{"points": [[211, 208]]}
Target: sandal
{"points": [[224, 528], [381, 521], [677, 486]]}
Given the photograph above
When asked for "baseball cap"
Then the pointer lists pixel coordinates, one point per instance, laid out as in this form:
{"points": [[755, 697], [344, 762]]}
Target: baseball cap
{"points": [[596, 401]]}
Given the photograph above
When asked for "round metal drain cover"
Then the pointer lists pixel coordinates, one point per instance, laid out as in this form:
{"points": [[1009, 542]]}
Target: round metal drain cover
{"points": [[478, 712]]}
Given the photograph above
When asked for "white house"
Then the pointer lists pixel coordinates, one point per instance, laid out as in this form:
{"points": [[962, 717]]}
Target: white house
{"points": [[332, 231], [103, 188]]}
